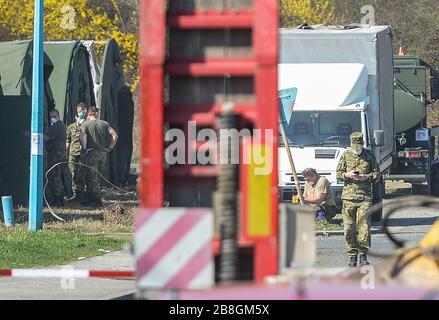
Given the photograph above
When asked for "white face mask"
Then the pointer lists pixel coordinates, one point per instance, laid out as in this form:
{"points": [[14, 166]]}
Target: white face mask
{"points": [[53, 120], [81, 121], [358, 152]]}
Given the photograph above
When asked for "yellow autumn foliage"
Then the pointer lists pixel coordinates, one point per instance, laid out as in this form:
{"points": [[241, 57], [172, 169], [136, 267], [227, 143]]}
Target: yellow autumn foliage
{"points": [[296, 12], [70, 20]]}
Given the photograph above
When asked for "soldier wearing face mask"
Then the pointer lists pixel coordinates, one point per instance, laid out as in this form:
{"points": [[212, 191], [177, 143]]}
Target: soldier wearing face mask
{"points": [[73, 146], [56, 153], [359, 170]]}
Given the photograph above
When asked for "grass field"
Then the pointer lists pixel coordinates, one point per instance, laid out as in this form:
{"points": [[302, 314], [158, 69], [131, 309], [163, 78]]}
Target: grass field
{"points": [[85, 233], [22, 249]]}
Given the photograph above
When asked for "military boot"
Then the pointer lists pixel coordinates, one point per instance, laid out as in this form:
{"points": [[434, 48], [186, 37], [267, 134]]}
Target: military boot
{"points": [[76, 197], [85, 199], [79, 196], [353, 261], [363, 260]]}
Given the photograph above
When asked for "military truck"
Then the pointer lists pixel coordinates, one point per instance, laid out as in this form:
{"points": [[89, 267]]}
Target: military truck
{"points": [[344, 83], [416, 158]]}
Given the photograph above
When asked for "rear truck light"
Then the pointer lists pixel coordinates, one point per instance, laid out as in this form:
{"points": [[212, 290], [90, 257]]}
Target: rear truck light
{"points": [[413, 154]]}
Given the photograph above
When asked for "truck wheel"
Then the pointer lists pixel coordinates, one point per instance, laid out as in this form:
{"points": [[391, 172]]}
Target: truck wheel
{"points": [[378, 192]]}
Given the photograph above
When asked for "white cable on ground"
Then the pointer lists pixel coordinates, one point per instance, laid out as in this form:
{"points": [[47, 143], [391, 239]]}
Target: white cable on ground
{"points": [[44, 196], [80, 164]]}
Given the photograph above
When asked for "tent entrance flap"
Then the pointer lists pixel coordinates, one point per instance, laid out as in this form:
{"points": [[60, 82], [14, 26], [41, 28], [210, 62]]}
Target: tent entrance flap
{"points": [[117, 107], [71, 80], [15, 146]]}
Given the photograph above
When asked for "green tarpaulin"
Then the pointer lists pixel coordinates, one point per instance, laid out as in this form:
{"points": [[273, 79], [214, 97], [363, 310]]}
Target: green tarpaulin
{"points": [[15, 107], [16, 69], [71, 81], [116, 106], [15, 146]]}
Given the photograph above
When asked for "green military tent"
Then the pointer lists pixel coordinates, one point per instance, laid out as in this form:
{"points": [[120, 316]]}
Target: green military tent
{"points": [[116, 106], [70, 82], [15, 120]]}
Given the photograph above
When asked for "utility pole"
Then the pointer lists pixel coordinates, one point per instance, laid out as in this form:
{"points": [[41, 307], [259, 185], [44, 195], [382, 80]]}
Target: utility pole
{"points": [[37, 140]]}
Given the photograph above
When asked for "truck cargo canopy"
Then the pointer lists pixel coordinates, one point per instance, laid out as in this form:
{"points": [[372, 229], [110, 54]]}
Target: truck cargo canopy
{"points": [[369, 46], [329, 45], [337, 84]]}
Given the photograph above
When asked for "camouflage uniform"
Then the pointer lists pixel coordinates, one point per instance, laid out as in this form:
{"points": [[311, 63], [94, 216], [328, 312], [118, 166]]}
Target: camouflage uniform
{"points": [[357, 195], [96, 160], [77, 172]]}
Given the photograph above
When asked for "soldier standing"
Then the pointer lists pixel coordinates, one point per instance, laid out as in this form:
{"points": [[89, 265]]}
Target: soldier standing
{"points": [[56, 153], [73, 145], [94, 136], [359, 170]]}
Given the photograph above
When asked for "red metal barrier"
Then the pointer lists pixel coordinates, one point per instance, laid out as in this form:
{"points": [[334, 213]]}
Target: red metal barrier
{"points": [[62, 273], [152, 54], [177, 57]]}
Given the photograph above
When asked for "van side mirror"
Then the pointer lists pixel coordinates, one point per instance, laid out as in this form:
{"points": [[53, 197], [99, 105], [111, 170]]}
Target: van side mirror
{"points": [[378, 136]]}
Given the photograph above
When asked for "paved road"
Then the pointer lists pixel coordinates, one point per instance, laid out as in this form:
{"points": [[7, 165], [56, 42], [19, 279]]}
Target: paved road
{"points": [[408, 225], [85, 289]]}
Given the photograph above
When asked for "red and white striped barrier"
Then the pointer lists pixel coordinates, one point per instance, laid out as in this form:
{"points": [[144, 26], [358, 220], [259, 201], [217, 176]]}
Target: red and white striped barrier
{"points": [[173, 248], [64, 273]]}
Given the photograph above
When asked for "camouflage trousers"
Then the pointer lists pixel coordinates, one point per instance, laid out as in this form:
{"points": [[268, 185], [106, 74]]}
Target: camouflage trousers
{"points": [[95, 160], [78, 174], [55, 176], [356, 221]]}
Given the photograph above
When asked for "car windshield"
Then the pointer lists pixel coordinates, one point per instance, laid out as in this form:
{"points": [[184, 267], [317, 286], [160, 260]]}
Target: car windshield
{"points": [[327, 128]]}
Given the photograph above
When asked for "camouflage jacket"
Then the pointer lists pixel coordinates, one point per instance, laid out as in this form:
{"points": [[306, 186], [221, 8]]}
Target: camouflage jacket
{"points": [[73, 131], [365, 164]]}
